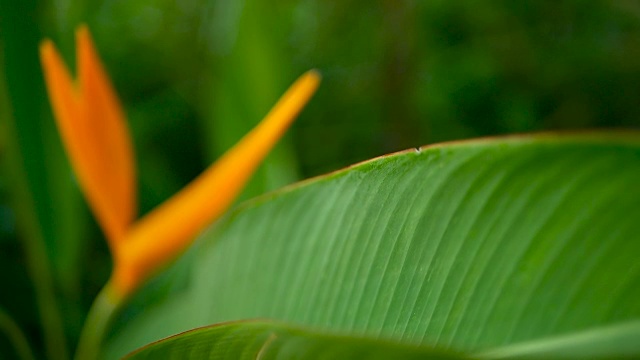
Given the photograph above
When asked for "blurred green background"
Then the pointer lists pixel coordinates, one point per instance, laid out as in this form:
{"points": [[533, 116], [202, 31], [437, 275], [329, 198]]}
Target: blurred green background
{"points": [[195, 75]]}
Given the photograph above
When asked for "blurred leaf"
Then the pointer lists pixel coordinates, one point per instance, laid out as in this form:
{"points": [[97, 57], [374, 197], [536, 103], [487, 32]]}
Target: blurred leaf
{"points": [[619, 341], [15, 336], [251, 74], [47, 174], [266, 340], [469, 246], [28, 162]]}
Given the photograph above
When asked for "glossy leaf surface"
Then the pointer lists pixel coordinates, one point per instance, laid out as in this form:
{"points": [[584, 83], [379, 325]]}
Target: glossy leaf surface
{"points": [[471, 246]]}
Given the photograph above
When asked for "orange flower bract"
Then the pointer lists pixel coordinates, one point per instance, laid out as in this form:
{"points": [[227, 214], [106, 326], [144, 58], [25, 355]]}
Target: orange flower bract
{"points": [[92, 126], [94, 133]]}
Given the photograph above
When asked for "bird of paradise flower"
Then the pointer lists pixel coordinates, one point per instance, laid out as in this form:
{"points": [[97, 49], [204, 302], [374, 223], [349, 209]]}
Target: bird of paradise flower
{"points": [[93, 129]]}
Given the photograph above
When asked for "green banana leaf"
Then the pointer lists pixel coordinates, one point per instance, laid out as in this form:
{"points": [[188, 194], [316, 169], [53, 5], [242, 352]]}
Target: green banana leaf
{"points": [[474, 246], [264, 340]]}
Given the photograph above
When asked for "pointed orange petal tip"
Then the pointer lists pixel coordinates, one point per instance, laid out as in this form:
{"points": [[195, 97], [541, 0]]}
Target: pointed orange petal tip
{"points": [[82, 33], [310, 79], [46, 49], [159, 237], [300, 92], [55, 72]]}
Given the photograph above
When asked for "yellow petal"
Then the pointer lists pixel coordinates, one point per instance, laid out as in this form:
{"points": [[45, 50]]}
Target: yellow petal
{"points": [[161, 235], [94, 135]]}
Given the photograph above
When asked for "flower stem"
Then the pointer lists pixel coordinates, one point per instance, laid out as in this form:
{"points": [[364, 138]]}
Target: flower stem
{"points": [[97, 323]]}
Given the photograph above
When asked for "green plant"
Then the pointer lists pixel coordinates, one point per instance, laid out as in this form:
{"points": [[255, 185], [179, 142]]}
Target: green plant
{"points": [[512, 247]]}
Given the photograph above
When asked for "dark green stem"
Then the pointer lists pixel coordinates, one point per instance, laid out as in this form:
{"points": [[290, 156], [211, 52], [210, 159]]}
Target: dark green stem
{"points": [[97, 323]]}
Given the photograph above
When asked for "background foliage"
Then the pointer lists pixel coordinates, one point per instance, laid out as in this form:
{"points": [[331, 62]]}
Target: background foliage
{"points": [[195, 75]]}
